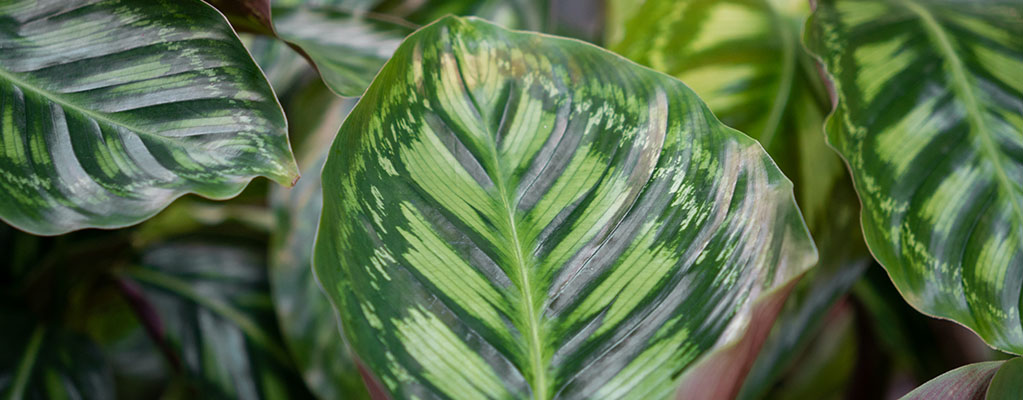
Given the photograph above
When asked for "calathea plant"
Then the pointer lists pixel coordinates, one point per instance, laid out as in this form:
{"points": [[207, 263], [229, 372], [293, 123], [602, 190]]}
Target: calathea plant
{"points": [[532, 199]]}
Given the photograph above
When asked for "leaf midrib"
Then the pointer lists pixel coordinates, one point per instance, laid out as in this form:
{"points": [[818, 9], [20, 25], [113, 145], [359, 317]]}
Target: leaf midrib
{"points": [[24, 85], [961, 86], [531, 319], [529, 315]]}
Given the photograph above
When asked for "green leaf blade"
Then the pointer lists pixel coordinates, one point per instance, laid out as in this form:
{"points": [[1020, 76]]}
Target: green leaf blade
{"points": [[928, 118], [515, 215], [110, 110]]}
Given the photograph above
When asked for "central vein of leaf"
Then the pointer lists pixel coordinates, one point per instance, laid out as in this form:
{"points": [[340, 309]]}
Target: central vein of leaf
{"points": [[530, 316], [535, 371], [961, 86], [65, 104]]}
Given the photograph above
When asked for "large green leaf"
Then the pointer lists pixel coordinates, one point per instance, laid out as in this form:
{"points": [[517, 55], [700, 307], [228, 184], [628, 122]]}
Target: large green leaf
{"points": [[212, 300], [38, 361], [929, 117], [509, 214], [744, 59], [111, 109], [993, 380]]}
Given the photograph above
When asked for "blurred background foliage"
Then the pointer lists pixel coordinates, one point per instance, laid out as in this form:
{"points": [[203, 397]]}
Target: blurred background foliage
{"points": [[133, 313]]}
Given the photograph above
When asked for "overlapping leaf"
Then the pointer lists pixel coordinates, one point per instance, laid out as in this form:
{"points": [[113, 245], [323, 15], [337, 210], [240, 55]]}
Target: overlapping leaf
{"points": [[214, 303], [929, 117], [514, 215], [111, 109]]}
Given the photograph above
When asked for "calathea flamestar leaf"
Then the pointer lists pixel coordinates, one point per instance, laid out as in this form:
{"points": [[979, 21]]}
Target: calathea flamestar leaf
{"points": [[111, 109], [929, 117], [509, 214]]}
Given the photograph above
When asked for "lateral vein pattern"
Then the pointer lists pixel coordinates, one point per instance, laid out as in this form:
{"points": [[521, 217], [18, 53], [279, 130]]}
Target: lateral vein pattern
{"points": [[511, 215]]}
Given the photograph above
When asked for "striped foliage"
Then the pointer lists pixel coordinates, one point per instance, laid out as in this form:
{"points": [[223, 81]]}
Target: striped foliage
{"points": [[744, 59], [511, 215], [111, 109], [212, 297], [930, 121], [39, 361]]}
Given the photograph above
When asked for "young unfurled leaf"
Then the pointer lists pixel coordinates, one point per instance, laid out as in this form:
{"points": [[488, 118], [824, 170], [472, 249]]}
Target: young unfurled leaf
{"points": [[509, 214]]}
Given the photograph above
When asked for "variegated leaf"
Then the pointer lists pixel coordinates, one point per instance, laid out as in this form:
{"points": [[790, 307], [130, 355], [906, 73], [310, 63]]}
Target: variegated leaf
{"points": [[930, 120], [109, 110], [509, 214]]}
